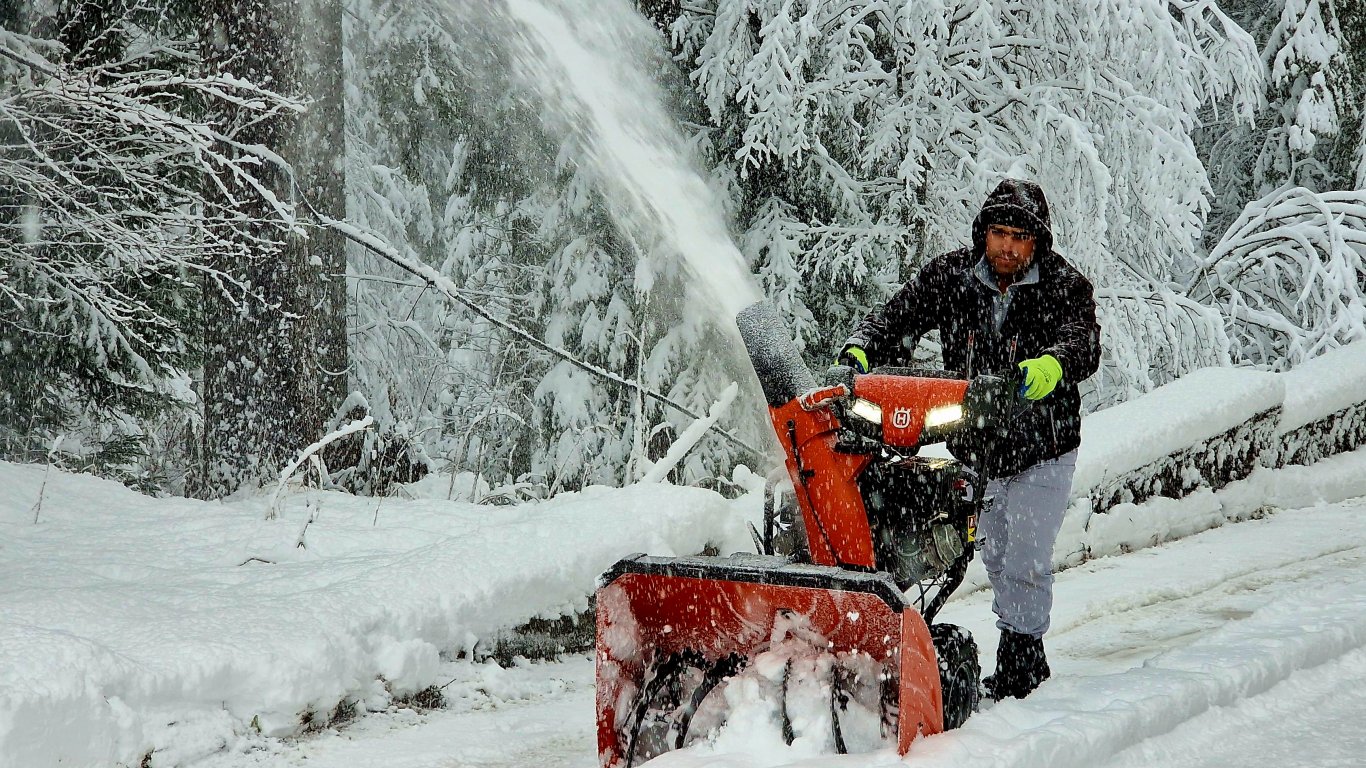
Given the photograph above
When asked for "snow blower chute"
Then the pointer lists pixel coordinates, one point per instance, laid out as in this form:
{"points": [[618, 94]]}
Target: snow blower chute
{"points": [[833, 618]]}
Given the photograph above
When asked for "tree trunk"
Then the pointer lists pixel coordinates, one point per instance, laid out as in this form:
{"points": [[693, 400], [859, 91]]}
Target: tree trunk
{"points": [[318, 156], [275, 345]]}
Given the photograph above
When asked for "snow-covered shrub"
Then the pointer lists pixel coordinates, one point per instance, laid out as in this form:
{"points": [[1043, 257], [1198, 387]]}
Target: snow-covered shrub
{"points": [[370, 462], [1290, 276], [1161, 333]]}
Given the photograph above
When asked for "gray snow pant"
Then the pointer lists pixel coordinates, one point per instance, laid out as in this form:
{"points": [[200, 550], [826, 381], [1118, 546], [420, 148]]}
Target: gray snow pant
{"points": [[1016, 536]]}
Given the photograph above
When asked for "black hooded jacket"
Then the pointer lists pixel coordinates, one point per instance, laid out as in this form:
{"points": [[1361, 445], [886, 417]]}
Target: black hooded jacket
{"points": [[1055, 315]]}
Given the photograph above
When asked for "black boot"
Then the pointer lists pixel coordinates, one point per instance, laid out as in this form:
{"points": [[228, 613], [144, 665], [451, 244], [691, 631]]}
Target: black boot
{"points": [[1021, 666]]}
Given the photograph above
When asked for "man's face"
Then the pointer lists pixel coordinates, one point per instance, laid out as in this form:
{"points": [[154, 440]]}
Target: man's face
{"points": [[1009, 249]]}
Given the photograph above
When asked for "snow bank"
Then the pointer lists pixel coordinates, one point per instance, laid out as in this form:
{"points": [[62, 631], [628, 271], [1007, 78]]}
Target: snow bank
{"points": [[132, 625], [1134, 526], [1087, 534]]}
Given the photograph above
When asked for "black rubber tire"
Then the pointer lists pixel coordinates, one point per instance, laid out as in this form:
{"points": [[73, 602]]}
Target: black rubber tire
{"points": [[960, 672]]}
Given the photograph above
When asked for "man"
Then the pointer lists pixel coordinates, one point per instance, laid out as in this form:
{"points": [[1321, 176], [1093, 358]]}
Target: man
{"points": [[1008, 302]]}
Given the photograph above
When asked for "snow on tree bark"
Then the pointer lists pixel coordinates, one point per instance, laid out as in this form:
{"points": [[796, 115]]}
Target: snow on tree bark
{"points": [[317, 154]]}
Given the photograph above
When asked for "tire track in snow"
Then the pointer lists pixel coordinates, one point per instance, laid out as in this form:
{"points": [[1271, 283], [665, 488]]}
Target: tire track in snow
{"points": [[1252, 578], [1329, 700], [1235, 633], [1179, 621], [1079, 721]]}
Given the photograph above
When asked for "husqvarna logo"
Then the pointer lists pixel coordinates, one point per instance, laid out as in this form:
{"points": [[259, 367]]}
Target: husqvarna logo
{"points": [[901, 418]]}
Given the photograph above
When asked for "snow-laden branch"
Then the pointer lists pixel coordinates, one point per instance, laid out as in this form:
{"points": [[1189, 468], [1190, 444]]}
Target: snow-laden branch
{"points": [[111, 181], [433, 278], [273, 508], [1159, 334], [690, 437], [1290, 275]]}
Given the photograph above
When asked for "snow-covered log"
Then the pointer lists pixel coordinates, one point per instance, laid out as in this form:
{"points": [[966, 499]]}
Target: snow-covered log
{"points": [[1216, 426], [1203, 430], [1325, 407], [1340, 432]]}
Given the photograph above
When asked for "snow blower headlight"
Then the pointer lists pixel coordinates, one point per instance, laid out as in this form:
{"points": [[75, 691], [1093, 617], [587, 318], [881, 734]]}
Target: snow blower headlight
{"points": [[866, 410], [943, 415]]}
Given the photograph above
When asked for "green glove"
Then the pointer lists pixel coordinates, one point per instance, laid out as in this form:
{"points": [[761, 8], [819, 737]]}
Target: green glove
{"points": [[1041, 375], [854, 357]]}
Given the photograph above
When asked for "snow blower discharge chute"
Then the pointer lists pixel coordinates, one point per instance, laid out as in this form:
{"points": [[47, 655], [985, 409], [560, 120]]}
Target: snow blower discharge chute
{"points": [[833, 620]]}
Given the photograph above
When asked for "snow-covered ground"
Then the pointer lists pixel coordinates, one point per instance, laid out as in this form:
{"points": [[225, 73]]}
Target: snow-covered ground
{"points": [[131, 625], [1241, 645], [135, 625], [172, 632]]}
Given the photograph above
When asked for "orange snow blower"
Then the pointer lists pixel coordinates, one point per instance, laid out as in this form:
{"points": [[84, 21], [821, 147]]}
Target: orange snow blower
{"points": [[854, 561]]}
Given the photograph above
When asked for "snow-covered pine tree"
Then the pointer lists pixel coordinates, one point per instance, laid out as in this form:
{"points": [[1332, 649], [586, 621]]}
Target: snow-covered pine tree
{"points": [[103, 237], [442, 167], [590, 311], [1316, 54], [862, 137], [1309, 131]]}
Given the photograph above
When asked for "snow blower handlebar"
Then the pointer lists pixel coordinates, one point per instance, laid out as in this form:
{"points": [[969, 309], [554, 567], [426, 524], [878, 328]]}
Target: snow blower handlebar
{"points": [[909, 407], [824, 397], [978, 411]]}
